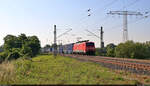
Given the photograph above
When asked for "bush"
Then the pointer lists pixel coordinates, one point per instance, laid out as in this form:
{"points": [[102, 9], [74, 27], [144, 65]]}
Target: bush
{"points": [[110, 48], [3, 55], [13, 54], [26, 51], [21, 46], [124, 50], [100, 52], [130, 49], [140, 51]]}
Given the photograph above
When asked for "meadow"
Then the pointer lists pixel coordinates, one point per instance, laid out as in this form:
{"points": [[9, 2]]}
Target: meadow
{"points": [[45, 69]]}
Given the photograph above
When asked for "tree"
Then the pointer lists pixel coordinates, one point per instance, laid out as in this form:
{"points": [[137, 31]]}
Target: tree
{"points": [[47, 46], [21, 46], [100, 51], [141, 51], [124, 50], [22, 39], [10, 42], [1, 48], [26, 51], [130, 49], [13, 54], [34, 44], [110, 48]]}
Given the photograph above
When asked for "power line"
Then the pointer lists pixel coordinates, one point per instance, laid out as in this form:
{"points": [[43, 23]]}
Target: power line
{"points": [[64, 33], [140, 19], [109, 4], [125, 21], [105, 6], [100, 37], [131, 22], [130, 4], [92, 33]]}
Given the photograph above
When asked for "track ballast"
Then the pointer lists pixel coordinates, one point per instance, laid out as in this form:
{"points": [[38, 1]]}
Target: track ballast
{"points": [[131, 65]]}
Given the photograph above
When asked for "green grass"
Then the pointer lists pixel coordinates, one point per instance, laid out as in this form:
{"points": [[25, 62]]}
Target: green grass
{"points": [[46, 69]]}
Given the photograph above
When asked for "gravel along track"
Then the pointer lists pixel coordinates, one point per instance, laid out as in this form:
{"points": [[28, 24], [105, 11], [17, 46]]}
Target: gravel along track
{"points": [[131, 65]]}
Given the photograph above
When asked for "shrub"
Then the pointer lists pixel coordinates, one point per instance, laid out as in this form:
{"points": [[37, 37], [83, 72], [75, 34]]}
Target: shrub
{"points": [[26, 51], [21, 46], [130, 49], [13, 54], [110, 49], [124, 50], [3, 55], [100, 51]]}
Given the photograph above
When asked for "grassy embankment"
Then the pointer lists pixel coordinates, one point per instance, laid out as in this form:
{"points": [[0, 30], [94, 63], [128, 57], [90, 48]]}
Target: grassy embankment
{"points": [[45, 69]]}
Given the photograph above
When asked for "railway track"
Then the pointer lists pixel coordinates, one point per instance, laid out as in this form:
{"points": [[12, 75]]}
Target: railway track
{"points": [[131, 65]]}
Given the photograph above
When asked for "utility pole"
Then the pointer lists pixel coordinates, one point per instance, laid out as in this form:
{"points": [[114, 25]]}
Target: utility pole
{"points": [[125, 21], [101, 38], [55, 40], [55, 44]]}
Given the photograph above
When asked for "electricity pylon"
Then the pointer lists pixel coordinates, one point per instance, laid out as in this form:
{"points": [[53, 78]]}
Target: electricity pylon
{"points": [[125, 21]]}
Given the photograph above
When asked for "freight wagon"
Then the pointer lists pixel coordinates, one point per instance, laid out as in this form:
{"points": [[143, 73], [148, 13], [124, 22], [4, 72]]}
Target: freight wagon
{"points": [[68, 48]]}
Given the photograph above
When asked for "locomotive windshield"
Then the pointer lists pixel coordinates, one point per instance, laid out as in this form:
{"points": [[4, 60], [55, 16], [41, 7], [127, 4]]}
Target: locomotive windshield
{"points": [[89, 44]]}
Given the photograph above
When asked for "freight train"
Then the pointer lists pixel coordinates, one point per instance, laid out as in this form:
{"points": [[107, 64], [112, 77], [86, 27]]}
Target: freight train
{"points": [[81, 47]]}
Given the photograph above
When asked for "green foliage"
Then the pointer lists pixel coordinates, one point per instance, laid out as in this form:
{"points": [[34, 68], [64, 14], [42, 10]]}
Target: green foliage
{"points": [[110, 48], [141, 51], [10, 42], [26, 51], [130, 49], [3, 55], [125, 50], [21, 46], [46, 69], [13, 54], [100, 51], [1, 48], [47, 46], [34, 44]]}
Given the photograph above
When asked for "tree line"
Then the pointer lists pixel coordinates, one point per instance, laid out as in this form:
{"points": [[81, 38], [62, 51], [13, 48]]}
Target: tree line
{"points": [[128, 49], [29, 46], [22, 46]]}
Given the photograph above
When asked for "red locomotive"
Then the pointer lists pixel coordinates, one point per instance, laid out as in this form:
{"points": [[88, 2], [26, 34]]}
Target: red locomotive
{"points": [[84, 47]]}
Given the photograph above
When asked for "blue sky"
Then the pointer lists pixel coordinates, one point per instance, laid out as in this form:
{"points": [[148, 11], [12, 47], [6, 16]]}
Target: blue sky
{"points": [[37, 17]]}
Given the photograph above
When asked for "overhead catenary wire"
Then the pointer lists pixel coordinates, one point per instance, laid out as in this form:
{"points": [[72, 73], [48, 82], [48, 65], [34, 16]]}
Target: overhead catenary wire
{"points": [[92, 33], [131, 22], [130, 4], [109, 4], [105, 7], [144, 17], [105, 18]]}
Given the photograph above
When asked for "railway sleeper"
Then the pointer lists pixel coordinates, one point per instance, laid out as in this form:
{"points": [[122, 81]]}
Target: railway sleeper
{"points": [[131, 67]]}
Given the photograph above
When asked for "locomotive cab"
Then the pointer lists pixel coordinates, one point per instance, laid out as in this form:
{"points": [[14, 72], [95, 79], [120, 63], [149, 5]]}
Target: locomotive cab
{"points": [[90, 48], [84, 47]]}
